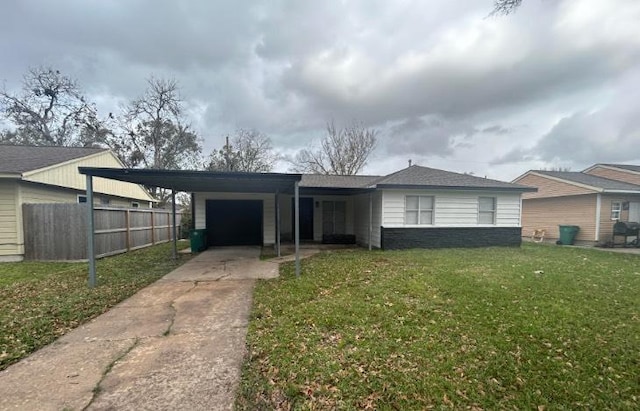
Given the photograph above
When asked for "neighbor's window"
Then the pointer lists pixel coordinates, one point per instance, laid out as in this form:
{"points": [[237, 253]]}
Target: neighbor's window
{"points": [[616, 208], [135, 204], [486, 210], [418, 210], [82, 199]]}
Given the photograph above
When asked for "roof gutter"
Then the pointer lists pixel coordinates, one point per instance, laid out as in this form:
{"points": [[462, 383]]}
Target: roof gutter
{"points": [[463, 188], [621, 191], [11, 175]]}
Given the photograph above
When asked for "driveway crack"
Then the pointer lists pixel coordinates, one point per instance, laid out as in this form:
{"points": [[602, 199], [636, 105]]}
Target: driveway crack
{"points": [[97, 389], [174, 310]]}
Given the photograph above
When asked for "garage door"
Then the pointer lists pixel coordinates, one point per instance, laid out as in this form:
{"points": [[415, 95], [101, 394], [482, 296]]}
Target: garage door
{"points": [[234, 222]]}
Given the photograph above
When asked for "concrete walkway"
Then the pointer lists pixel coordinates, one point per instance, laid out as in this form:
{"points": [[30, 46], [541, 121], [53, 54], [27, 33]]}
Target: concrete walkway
{"points": [[176, 344]]}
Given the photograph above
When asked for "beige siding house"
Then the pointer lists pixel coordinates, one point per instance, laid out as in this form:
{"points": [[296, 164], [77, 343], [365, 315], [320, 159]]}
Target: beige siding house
{"points": [[619, 172], [593, 200], [50, 175]]}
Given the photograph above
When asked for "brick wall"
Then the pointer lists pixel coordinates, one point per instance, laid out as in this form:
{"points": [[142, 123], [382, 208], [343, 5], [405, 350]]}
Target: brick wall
{"points": [[446, 237]]}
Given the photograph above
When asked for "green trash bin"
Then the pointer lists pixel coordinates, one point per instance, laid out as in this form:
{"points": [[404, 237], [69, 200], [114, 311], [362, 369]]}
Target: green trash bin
{"points": [[568, 234], [198, 240]]}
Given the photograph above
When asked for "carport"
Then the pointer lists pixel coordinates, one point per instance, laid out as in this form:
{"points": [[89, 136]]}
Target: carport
{"points": [[198, 181]]}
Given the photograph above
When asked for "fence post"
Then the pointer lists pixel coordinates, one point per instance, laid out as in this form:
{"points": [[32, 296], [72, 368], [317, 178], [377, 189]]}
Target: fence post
{"points": [[91, 245], [127, 221], [173, 223], [153, 227]]}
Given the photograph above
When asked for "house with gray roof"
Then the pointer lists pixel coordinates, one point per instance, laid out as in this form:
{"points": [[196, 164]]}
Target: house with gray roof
{"points": [[593, 199], [50, 175], [414, 207]]}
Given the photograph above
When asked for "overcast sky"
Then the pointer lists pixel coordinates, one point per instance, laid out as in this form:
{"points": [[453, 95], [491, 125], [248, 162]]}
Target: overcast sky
{"points": [[556, 84]]}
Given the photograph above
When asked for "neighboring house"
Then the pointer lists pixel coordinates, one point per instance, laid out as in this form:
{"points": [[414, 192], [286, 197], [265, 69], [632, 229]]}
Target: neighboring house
{"points": [[50, 175], [620, 172], [414, 207], [593, 199]]}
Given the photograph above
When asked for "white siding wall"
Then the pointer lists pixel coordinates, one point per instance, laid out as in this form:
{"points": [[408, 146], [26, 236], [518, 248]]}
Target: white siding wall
{"points": [[452, 209], [11, 248], [361, 219], [268, 210]]}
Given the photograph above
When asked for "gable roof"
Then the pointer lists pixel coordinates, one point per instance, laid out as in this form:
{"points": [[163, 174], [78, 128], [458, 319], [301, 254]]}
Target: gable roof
{"points": [[628, 167], [425, 177], [594, 182], [21, 159]]}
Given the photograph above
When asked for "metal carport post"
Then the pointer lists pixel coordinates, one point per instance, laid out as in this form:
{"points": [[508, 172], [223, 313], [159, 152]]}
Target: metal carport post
{"points": [[192, 181], [91, 240]]}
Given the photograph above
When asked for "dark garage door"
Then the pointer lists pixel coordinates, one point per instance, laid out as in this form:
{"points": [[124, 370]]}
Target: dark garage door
{"points": [[234, 222]]}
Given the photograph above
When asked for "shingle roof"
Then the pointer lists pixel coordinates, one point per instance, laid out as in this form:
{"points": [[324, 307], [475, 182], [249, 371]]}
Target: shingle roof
{"points": [[590, 180], [624, 167], [330, 181], [430, 177], [20, 159]]}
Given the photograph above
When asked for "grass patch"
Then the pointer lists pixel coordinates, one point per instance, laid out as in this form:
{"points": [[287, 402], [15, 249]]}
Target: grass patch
{"points": [[453, 329], [40, 301]]}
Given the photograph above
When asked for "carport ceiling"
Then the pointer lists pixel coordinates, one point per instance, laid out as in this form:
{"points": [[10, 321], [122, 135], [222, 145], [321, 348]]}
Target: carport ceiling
{"points": [[198, 181]]}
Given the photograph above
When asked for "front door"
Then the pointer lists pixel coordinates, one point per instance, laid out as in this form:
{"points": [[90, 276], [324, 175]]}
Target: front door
{"points": [[634, 212], [306, 218]]}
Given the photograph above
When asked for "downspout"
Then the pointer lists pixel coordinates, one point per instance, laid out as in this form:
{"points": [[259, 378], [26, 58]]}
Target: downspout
{"points": [[296, 217], [278, 223], [598, 210], [193, 211], [91, 241], [370, 219], [173, 222]]}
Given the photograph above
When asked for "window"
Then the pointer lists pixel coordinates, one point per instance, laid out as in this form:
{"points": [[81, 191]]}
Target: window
{"points": [[135, 204], [82, 199], [418, 210], [616, 209], [486, 210], [104, 201]]}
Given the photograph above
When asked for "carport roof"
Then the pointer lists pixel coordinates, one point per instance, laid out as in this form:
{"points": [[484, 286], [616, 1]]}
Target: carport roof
{"points": [[192, 181]]}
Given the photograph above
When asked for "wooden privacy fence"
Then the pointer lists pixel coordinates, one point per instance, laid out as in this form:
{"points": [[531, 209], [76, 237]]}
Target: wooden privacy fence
{"points": [[59, 231]]}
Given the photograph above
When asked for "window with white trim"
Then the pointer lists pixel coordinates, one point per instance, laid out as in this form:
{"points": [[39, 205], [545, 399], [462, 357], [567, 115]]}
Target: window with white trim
{"points": [[135, 204], [486, 210], [616, 210], [82, 199], [418, 209]]}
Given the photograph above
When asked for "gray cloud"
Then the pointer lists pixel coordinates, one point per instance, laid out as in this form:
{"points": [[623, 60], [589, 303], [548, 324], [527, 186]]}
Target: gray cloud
{"points": [[437, 78], [608, 134]]}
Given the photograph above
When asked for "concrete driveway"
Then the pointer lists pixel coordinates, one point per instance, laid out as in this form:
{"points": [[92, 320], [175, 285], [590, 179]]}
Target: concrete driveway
{"points": [[177, 344]]}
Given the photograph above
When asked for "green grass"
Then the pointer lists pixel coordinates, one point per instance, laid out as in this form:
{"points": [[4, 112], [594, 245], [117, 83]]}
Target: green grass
{"points": [[448, 329], [40, 301]]}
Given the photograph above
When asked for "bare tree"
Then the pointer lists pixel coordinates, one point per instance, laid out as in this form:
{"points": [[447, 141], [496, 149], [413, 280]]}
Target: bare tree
{"points": [[249, 151], [505, 7], [49, 110], [153, 132], [341, 152]]}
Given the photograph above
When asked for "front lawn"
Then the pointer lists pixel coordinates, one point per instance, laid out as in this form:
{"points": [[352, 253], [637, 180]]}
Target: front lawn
{"points": [[541, 327], [40, 301]]}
